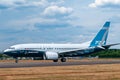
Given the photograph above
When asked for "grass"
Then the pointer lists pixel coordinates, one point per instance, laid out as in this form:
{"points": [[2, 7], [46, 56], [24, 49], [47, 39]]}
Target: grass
{"points": [[79, 72]]}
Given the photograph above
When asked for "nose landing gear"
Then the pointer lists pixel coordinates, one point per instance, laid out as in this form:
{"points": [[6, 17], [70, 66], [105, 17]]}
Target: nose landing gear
{"points": [[16, 60]]}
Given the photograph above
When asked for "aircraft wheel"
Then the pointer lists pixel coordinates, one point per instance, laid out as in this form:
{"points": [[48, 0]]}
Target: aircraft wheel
{"points": [[63, 59], [55, 60]]}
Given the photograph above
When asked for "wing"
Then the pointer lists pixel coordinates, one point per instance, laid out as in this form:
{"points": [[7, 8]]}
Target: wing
{"points": [[85, 51], [76, 52]]}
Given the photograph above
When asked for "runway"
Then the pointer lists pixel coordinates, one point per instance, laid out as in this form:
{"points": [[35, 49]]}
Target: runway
{"points": [[47, 64]]}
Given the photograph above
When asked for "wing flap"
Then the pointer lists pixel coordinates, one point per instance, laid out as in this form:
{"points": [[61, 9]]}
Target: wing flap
{"points": [[71, 51], [77, 52]]}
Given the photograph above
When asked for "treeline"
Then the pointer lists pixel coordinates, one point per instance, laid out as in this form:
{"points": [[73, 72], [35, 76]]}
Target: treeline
{"points": [[111, 53]]}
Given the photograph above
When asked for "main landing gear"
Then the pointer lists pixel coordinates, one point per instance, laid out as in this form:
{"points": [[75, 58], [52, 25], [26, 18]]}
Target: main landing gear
{"points": [[55, 60], [62, 60]]}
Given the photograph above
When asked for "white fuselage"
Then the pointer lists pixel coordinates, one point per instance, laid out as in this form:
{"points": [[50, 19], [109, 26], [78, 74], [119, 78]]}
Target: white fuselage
{"points": [[48, 47]]}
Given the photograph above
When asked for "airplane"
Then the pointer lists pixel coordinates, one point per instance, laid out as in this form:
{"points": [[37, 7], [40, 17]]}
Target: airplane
{"points": [[61, 51]]}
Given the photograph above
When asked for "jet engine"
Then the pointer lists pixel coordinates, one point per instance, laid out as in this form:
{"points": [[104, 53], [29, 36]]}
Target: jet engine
{"points": [[51, 55]]}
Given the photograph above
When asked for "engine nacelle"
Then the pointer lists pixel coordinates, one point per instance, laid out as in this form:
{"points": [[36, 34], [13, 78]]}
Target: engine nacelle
{"points": [[51, 55]]}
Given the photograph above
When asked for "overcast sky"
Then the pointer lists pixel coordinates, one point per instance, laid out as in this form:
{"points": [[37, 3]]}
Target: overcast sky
{"points": [[57, 21]]}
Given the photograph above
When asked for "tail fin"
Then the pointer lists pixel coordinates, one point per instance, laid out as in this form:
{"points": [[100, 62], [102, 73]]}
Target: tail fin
{"points": [[101, 38]]}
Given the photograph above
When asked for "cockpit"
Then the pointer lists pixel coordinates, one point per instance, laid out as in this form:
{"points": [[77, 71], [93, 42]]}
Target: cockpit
{"points": [[9, 49]]}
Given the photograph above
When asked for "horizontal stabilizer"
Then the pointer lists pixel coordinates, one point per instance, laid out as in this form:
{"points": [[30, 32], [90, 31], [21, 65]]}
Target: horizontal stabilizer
{"points": [[108, 46]]}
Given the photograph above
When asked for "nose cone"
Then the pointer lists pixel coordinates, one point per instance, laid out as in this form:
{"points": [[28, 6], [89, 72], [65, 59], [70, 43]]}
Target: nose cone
{"points": [[3, 52], [7, 50]]}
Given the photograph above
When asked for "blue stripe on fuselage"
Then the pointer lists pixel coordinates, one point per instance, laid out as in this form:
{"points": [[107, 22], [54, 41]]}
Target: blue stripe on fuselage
{"points": [[25, 53]]}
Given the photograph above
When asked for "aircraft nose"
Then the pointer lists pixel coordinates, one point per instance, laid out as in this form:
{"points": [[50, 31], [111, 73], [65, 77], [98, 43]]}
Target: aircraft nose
{"points": [[7, 50]]}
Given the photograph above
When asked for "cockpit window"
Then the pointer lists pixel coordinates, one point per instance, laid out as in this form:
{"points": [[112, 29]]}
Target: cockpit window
{"points": [[12, 48]]}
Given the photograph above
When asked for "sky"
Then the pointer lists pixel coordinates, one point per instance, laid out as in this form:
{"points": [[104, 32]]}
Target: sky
{"points": [[57, 21]]}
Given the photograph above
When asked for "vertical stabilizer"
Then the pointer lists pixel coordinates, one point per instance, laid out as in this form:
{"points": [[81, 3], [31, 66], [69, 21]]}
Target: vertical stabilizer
{"points": [[101, 37]]}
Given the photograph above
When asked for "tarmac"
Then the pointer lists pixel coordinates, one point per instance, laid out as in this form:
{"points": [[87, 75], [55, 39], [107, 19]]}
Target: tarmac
{"points": [[48, 64]]}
